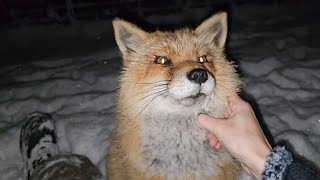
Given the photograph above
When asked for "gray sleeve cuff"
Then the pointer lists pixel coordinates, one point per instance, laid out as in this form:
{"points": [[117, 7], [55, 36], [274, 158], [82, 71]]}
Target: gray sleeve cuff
{"points": [[277, 164]]}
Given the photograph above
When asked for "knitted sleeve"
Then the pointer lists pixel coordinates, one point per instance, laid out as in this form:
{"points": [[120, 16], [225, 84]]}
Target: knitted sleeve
{"points": [[280, 165], [277, 164]]}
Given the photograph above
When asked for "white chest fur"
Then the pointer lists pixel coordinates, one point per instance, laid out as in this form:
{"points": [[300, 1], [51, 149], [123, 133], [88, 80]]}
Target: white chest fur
{"points": [[173, 145]]}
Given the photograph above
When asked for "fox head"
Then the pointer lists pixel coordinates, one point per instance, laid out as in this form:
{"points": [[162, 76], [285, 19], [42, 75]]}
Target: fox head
{"points": [[184, 71]]}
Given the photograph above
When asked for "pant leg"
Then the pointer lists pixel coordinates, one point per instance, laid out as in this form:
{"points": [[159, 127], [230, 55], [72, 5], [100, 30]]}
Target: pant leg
{"points": [[67, 167]]}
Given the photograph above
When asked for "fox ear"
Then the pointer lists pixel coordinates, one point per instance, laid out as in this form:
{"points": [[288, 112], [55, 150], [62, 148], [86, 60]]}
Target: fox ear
{"points": [[128, 36], [214, 29]]}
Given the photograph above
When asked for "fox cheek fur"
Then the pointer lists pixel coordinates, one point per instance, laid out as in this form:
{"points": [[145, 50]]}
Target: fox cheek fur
{"points": [[168, 78]]}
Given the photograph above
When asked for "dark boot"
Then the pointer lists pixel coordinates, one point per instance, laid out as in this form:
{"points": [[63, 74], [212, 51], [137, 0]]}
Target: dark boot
{"points": [[38, 141]]}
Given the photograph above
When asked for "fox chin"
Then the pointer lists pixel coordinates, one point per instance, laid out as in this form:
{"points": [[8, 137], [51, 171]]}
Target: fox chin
{"points": [[167, 79]]}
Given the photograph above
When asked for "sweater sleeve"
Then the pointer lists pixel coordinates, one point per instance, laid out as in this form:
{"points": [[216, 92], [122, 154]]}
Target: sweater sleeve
{"points": [[280, 166], [277, 164]]}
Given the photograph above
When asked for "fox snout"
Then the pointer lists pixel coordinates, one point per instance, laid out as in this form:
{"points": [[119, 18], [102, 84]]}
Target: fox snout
{"points": [[198, 76]]}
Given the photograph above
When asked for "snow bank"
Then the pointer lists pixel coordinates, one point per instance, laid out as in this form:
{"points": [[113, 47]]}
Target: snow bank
{"points": [[78, 92]]}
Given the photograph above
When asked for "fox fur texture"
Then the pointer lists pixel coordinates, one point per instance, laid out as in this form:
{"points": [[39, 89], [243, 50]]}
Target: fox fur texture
{"points": [[168, 78]]}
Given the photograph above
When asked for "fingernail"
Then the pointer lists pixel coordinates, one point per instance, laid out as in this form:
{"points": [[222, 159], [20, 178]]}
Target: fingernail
{"points": [[218, 145]]}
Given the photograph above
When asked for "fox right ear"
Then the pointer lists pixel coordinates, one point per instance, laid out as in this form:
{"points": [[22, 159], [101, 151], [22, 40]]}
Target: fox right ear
{"points": [[128, 36], [214, 29]]}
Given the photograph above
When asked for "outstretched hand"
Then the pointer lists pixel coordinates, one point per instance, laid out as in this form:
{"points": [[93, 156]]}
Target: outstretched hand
{"points": [[241, 134]]}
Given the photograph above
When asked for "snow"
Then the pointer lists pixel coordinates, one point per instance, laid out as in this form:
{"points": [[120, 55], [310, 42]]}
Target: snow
{"points": [[279, 60]]}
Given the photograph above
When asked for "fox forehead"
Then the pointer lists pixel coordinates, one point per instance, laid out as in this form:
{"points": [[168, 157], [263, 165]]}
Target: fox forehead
{"points": [[179, 43]]}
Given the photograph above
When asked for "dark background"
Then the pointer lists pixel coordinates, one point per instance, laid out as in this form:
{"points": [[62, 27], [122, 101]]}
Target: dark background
{"points": [[36, 29], [19, 12]]}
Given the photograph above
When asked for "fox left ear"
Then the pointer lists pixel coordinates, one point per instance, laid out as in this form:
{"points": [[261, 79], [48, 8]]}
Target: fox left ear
{"points": [[214, 29]]}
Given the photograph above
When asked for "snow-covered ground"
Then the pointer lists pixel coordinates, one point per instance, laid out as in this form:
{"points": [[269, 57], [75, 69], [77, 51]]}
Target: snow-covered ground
{"points": [[279, 58]]}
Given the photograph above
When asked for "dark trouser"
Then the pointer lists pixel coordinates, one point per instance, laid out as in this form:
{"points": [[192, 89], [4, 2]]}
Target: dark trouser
{"points": [[67, 167]]}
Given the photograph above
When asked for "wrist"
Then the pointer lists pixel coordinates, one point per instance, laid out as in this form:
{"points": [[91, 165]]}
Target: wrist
{"points": [[258, 161]]}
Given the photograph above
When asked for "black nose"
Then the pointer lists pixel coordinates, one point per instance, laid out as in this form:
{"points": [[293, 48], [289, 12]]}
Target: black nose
{"points": [[198, 75]]}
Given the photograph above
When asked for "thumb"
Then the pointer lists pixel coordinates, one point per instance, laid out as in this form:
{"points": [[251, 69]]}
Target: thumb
{"points": [[211, 124]]}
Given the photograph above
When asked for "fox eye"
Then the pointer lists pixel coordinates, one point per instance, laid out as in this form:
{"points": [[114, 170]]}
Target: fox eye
{"points": [[162, 60], [202, 59]]}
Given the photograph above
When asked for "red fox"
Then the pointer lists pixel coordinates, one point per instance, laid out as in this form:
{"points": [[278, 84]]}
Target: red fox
{"points": [[167, 79]]}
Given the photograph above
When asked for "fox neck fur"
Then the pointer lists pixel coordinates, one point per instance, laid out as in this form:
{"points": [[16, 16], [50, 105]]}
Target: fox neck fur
{"points": [[174, 145]]}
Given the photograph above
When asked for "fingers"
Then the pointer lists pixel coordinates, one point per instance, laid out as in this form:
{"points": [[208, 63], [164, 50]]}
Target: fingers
{"points": [[227, 112], [233, 98], [213, 141], [232, 101], [211, 124], [218, 145], [207, 122], [236, 103]]}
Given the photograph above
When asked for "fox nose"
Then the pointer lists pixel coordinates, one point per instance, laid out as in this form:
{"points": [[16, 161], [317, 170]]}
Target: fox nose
{"points": [[198, 75]]}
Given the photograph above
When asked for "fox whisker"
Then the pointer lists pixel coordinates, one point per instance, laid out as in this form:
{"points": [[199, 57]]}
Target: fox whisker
{"points": [[156, 96], [153, 82], [137, 100], [150, 89]]}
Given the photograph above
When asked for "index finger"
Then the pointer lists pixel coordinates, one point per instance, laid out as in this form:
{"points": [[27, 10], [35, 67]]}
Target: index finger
{"points": [[232, 100], [227, 112]]}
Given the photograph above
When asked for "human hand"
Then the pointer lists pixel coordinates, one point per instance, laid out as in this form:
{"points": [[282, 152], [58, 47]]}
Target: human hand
{"points": [[241, 134]]}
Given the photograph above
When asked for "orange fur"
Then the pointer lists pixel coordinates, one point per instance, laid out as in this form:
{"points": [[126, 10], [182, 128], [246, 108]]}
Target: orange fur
{"points": [[229, 171]]}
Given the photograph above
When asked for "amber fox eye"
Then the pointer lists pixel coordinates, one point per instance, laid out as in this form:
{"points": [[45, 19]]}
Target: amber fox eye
{"points": [[162, 60], [202, 59]]}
